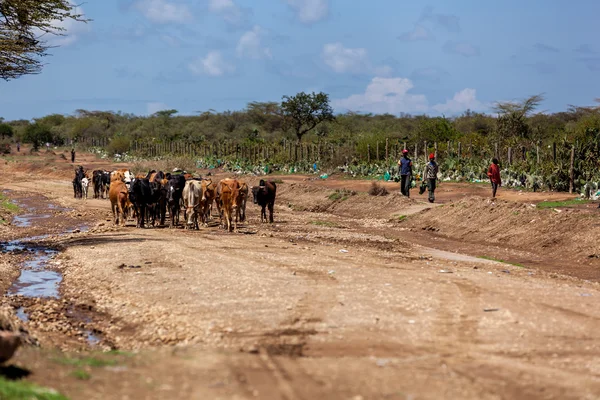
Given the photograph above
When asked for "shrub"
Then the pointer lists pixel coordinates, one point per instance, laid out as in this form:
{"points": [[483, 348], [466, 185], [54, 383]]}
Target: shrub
{"points": [[377, 190], [119, 145]]}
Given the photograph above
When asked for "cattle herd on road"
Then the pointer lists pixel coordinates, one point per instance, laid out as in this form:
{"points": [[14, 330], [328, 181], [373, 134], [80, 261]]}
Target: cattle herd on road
{"points": [[148, 198]]}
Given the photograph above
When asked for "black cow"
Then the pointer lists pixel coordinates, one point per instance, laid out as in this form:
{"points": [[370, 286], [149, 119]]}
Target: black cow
{"points": [[140, 195], [105, 184], [264, 196], [77, 187], [97, 181], [175, 187]]}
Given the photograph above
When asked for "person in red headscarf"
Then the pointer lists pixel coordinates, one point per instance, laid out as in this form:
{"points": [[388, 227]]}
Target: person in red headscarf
{"points": [[430, 177], [494, 175]]}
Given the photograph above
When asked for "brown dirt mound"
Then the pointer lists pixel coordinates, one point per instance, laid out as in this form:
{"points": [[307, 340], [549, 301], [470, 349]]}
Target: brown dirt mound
{"points": [[342, 202], [563, 233]]}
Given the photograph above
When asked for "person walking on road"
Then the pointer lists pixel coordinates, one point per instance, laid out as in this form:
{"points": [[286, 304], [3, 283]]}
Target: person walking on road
{"points": [[72, 155], [430, 176], [494, 175], [405, 167]]}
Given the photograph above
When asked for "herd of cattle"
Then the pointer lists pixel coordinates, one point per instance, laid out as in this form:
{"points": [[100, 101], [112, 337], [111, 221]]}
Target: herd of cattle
{"points": [[149, 198]]}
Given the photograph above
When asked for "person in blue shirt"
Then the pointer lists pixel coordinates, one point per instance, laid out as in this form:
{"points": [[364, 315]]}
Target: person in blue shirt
{"points": [[405, 169]]}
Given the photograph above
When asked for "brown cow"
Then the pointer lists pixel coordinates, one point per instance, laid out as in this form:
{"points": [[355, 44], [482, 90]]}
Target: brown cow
{"points": [[119, 196], [242, 198], [209, 193], [227, 202]]}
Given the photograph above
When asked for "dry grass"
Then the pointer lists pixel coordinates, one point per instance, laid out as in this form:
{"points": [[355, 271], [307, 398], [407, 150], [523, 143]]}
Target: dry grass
{"points": [[377, 190]]}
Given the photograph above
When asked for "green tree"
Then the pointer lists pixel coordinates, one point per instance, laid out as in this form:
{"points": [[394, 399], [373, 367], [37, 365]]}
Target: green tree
{"points": [[512, 118], [6, 130], [23, 24], [303, 112], [437, 130], [36, 134]]}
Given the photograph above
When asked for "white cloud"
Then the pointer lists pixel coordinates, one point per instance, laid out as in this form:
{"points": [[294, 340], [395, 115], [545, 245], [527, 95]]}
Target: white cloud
{"points": [[154, 107], [464, 100], [391, 95], [385, 95], [250, 44], [419, 33], [309, 11], [163, 11], [227, 9], [342, 59], [348, 60], [213, 64]]}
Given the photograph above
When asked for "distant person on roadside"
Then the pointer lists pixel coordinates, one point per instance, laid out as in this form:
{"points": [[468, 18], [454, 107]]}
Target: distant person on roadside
{"points": [[405, 169], [430, 176], [494, 175], [18, 147], [72, 155]]}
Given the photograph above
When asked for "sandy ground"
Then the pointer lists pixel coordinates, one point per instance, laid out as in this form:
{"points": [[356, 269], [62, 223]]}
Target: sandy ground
{"points": [[342, 299]]}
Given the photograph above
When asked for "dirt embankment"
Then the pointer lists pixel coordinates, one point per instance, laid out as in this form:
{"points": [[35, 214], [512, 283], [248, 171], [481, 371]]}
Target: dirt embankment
{"points": [[565, 236]]}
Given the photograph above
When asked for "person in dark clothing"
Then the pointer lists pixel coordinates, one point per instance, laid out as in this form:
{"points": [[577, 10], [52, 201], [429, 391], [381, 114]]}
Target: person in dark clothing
{"points": [[405, 169], [72, 155], [430, 176], [494, 175]]}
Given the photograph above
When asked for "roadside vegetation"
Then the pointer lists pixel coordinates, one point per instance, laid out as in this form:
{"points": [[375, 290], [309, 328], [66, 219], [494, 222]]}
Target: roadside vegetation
{"points": [[22, 390]]}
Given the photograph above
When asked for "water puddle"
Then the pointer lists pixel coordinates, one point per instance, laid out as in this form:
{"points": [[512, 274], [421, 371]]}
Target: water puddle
{"points": [[37, 279]]}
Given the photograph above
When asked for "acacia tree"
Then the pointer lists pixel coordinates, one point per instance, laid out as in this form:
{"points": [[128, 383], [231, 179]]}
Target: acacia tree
{"points": [[511, 125], [23, 25], [303, 112]]}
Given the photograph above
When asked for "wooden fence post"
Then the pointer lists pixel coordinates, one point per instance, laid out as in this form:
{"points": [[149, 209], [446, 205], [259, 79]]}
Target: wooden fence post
{"points": [[425, 149], [435, 150], [368, 153], [377, 152], [572, 170], [537, 154], [509, 155], [459, 149], [554, 151]]}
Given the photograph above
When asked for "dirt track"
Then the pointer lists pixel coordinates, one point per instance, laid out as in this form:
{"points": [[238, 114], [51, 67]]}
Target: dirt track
{"points": [[278, 312]]}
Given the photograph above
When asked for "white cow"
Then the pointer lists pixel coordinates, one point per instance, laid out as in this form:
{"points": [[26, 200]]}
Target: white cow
{"points": [[85, 183], [192, 194]]}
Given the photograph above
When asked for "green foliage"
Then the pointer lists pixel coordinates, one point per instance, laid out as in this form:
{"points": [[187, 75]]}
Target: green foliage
{"points": [[341, 195], [81, 374], [303, 112], [119, 145], [6, 130], [8, 205], [37, 134], [22, 390], [24, 27], [437, 130], [565, 203]]}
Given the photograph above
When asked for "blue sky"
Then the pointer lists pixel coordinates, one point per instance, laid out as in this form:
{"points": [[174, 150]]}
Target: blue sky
{"points": [[434, 57]]}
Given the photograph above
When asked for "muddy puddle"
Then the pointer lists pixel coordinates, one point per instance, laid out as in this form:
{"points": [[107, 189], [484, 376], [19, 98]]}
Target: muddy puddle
{"points": [[37, 278]]}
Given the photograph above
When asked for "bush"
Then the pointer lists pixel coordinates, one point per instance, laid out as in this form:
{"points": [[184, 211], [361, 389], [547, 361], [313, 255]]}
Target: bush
{"points": [[119, 145], [377, 190]]}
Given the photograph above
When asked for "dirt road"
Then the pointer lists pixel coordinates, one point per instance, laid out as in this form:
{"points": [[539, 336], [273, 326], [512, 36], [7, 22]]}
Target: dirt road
{"points": [[335, 300]]}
